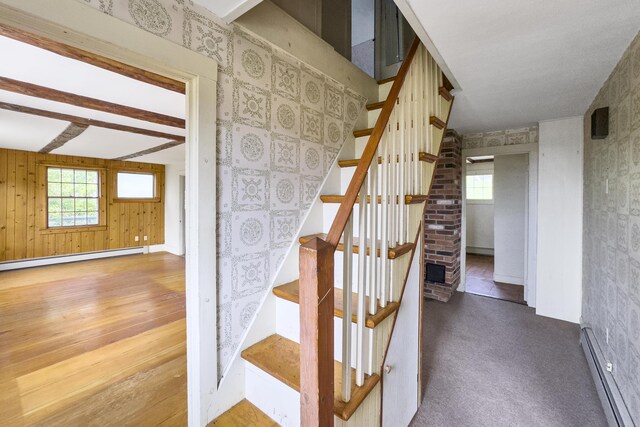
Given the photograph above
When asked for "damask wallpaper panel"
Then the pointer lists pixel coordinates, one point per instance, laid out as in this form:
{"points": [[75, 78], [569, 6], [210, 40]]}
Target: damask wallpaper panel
{"points": [[526, 135], [280, 126], [611, 248]]}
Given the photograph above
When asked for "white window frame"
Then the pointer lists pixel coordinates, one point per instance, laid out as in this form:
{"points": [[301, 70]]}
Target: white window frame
{"points": [[479, 201]]}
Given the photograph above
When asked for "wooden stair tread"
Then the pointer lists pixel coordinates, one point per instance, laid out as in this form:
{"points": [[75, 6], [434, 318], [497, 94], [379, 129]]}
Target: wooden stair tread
{"points": [[387, 80], [280, 358], [291, 292], [408, 199], [394, 253], [422, 156], [437, 122], [444, 92], [375, 105], [243, 414], [362, 132]]}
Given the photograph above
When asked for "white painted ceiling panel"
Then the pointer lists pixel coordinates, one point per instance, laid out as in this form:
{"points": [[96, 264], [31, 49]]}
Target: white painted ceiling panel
{"points": [[170, 156], [25, 132], [38, 66], [520, 62], [107, 143], [228, 10], [59, 107]]}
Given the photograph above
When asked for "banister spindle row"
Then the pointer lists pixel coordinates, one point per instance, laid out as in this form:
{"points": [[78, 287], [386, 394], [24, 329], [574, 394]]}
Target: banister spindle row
{"points": [[403, 131]]}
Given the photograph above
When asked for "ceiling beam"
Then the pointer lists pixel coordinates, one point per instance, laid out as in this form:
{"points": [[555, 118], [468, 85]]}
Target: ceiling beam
{"points": [[71, 131], [88, 122], [31, 89], [150, 150], [93, 59]]}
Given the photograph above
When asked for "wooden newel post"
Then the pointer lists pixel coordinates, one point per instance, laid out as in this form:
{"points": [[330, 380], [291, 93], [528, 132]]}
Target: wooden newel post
{"points": [[316, 333]]}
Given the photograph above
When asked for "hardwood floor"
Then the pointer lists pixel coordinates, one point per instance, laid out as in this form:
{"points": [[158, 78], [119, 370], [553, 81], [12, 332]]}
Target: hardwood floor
{"points": [[479, 281], [97, 342]]}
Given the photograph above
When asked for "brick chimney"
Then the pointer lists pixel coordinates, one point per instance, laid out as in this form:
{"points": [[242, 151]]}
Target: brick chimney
{"points": [[443, 219]]}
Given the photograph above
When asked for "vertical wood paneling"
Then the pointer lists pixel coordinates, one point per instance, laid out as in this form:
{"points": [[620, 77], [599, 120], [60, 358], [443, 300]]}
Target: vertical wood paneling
{"points": [[31, 204], [4, 168], [23, 209], [11, 205], [21, 226]]}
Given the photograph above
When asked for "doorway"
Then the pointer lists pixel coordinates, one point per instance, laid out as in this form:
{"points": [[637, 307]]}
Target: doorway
{"points": [[497, 189], [73, 24]]}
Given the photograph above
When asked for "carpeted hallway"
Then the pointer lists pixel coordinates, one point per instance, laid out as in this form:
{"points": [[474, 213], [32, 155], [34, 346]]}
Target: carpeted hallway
{"points": [[494, 363]]}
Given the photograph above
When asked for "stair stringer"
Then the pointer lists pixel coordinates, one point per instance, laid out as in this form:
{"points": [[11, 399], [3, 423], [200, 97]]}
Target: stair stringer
{"points": [[231, 388]]}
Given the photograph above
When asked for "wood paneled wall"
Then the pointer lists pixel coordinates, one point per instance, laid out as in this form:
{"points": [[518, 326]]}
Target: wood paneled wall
{"points": [[21, 217]]}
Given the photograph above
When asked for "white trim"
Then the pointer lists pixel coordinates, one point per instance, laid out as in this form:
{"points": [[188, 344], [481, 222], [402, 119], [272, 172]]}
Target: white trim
{"points": [[73, 23], [152, 249], [240, 10], [479, 251], [509, 280], [530, 280], [40, 262], [415, 23]]}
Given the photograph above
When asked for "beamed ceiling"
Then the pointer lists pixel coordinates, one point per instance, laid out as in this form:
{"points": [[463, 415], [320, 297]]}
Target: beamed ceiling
{"points": [[53, 103]]}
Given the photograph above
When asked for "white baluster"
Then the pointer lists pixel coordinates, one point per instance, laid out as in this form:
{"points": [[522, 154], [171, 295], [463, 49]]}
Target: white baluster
{"points": [[402, 166], [362, 284], [384, 220], [373, 233], [414, 131], [393, 180], [347, 277]]}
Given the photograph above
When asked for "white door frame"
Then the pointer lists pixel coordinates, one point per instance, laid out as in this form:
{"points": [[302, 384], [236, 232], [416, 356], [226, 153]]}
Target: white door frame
{"points": [[530, 280], [75, 24]]}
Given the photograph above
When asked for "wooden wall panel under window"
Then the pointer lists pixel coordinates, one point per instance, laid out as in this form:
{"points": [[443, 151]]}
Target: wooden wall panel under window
{"points": [[23, 211]]}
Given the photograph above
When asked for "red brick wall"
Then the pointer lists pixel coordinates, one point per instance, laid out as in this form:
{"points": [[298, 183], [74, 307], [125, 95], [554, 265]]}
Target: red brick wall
{"points": [[443, 218]]}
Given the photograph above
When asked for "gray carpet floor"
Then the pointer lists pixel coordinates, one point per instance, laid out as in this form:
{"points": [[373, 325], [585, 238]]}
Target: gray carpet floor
{"points": [[494, 363]]}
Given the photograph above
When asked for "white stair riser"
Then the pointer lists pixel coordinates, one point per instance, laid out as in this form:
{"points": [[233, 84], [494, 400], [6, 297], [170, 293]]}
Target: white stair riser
{"points": [[329, 211], [372, 117], [426, 168], [288, 326], [361, 142], [383, 90], [273, 397]]}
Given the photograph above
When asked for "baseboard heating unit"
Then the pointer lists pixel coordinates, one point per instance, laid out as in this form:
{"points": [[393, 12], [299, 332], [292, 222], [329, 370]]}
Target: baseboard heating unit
{"points": [[61, 259], [612, 401]]}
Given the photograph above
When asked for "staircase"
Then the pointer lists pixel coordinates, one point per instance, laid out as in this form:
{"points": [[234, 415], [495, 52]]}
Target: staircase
{"points": [[333, 325]]}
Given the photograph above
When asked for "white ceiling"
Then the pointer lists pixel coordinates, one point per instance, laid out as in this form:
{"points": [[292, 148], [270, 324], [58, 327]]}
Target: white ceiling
{"points": [[228, 10], [165, 157], [30, 132], [38, 66], [87, 144], [520, 62]]}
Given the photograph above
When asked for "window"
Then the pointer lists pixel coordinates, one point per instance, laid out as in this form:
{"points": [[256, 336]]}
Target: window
{"points": [[480, 187], [72, 197], [133, 185]]}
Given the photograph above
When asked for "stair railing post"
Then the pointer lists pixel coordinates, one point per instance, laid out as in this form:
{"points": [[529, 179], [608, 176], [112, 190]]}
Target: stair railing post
{"points": [[316, 333]]}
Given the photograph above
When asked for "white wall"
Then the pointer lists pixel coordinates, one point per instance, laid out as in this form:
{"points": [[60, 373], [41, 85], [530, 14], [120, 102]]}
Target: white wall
{"points": [[173, 240], [510, 193], [363, 19], [479, 223], [559, 271]]}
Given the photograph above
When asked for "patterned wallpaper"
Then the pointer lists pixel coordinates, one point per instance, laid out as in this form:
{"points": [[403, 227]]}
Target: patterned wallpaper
{"points": [[611, 252], [527, 135], [280, 127]]}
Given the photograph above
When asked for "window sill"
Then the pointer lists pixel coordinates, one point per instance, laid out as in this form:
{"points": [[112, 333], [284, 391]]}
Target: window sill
{"points": [[151, 200], [479, 202], [79, 229]]}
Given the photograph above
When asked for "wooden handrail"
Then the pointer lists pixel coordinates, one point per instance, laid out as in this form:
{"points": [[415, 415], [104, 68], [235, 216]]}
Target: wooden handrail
{"points": [[344, 211]]}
